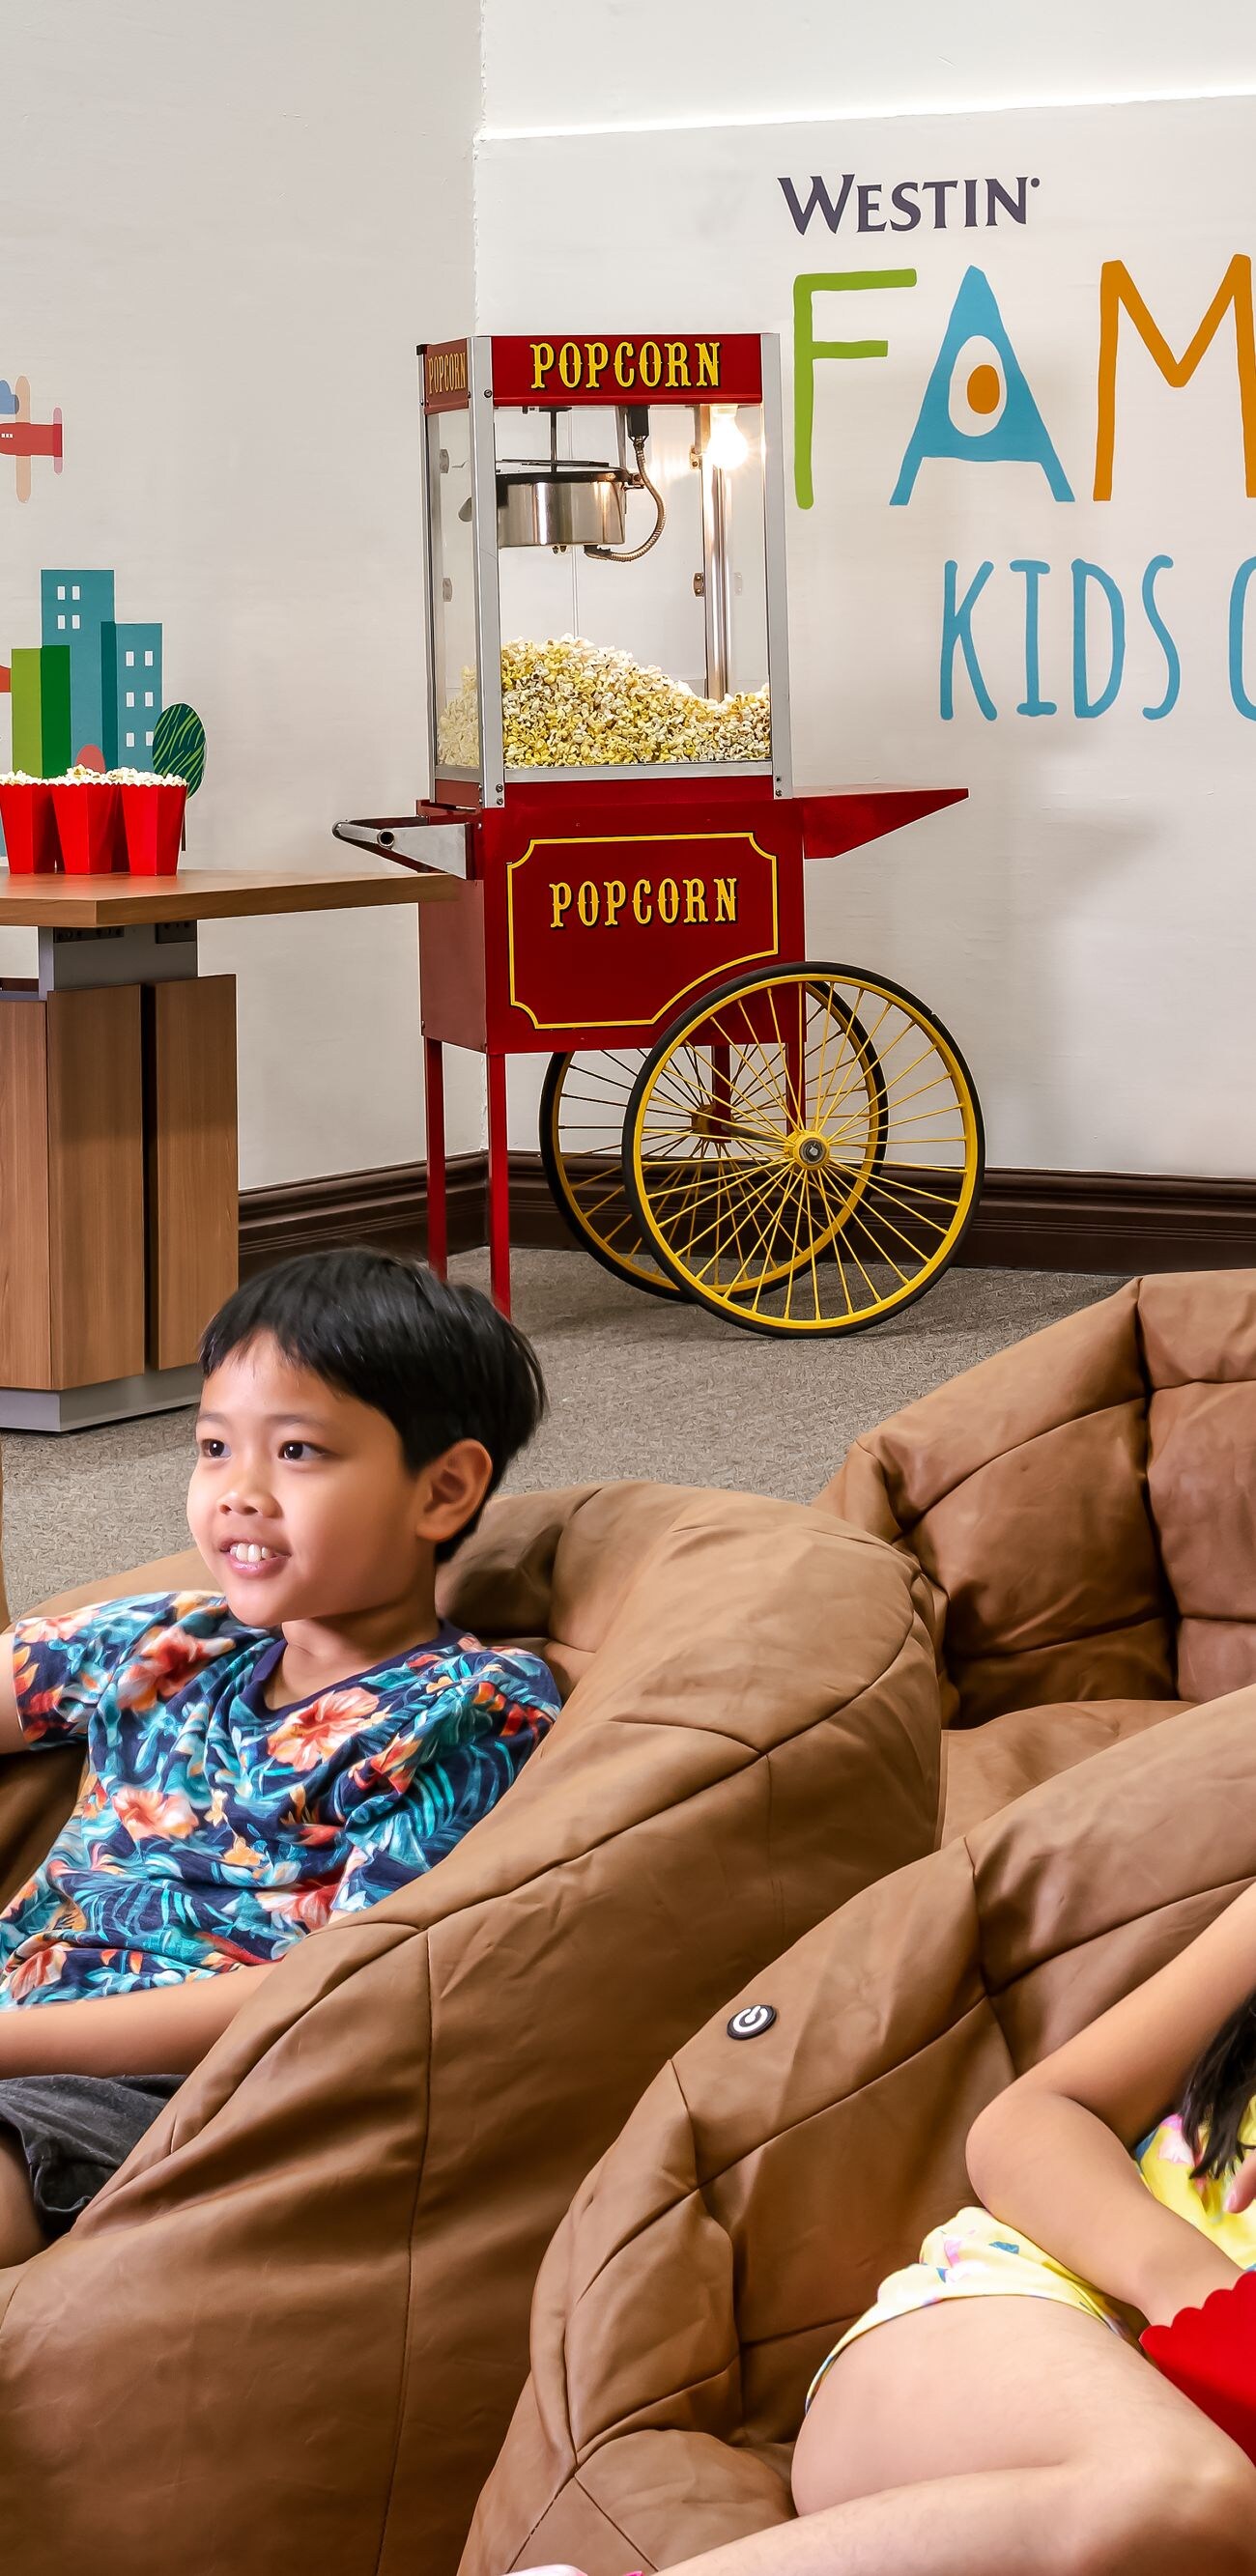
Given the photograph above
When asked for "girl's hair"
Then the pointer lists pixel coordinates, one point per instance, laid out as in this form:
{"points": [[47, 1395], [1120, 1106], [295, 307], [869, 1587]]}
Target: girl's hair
{"points": [[1219, 2093]]}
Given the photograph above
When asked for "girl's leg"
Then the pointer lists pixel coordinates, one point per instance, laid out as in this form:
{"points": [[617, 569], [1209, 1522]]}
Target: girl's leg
{"points": [[20, 2232], [1004, 2437]]}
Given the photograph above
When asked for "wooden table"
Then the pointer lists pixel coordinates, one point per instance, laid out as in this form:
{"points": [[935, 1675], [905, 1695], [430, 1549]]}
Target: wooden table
{"points": [[119, 1214]]}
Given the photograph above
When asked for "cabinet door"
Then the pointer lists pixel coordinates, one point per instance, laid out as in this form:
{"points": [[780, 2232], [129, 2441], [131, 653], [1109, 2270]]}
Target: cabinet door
{"points": [[193, 1217], [71, 1189]]}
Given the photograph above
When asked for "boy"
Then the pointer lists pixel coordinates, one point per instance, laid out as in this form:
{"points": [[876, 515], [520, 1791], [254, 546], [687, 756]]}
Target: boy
{"points": [[265, 1757]]}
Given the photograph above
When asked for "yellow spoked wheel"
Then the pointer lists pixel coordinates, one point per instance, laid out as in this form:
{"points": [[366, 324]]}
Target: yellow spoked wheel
{"points": [[803, 1150], [584, 1102]]}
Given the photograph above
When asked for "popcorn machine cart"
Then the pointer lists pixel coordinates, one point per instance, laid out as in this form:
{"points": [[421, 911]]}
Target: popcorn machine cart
{"points": [[795, 1144]]}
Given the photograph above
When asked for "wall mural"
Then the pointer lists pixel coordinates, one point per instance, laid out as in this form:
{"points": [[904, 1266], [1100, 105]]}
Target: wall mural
{"points": [[1019, 360], [22, 438], [977, 408], [90, 691]]}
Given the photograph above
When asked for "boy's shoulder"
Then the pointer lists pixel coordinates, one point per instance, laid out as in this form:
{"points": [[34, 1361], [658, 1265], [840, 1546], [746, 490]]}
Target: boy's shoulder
{"points": [[452, 1686], [459, 1644], [456, 1660]]}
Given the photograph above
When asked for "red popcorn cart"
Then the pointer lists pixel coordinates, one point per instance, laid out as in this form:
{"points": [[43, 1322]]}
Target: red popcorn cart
{"points": [[794, 1143]]}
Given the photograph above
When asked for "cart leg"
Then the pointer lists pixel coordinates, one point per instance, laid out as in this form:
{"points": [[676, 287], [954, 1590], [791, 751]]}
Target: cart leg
{"points": [[437, 1221], [498, 1187]]}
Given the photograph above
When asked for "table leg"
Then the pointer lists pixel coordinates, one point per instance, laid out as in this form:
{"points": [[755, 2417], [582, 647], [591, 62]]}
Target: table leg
{"points": [[437, 1217], [498, 1187]]}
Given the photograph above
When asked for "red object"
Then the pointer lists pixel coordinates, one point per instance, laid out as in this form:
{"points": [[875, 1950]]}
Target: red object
{"points": [[31, 437], [152, 823], [498, 1187], [445, 375], [89, 828], [832, 825], [641, 918], [541, 950], [437, 1227], [627, 367], [1209, 2353], [30, 829], [592, 912]]}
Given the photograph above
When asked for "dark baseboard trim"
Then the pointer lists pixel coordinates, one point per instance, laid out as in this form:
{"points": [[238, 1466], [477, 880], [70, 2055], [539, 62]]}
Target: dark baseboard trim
{"points": [[386, 1209], [1122, 1221], [1096, 1221]]}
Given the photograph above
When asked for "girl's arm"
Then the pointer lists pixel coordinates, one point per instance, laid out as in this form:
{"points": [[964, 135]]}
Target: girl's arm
{"points": [[1051, 2155], [158, 2030]]}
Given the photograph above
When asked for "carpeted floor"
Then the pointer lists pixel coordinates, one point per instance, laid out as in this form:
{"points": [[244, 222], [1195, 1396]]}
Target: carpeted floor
{"points": [[637, 1388]]}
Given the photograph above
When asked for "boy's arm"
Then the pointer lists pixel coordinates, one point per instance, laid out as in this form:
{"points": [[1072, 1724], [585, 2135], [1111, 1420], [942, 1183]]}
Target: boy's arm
{"points": [[10, 1724], [158, 2030]]}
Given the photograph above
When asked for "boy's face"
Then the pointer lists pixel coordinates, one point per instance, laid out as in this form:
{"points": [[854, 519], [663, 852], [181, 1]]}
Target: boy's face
{"points": [[301, 1501]]}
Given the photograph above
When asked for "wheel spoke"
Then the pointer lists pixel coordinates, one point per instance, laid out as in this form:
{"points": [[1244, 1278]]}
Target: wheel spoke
{"points": [[582, 1125], [755, 1233], [754, 1201]]}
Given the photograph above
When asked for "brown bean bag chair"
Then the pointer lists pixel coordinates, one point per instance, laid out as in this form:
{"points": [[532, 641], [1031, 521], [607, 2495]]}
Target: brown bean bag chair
{"points": [[763, 2188], [1084, 1507], [291, 2332]]}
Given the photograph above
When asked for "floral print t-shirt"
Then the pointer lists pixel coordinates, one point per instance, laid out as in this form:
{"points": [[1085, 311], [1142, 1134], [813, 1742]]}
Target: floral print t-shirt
{"points": [[212, 1832]]}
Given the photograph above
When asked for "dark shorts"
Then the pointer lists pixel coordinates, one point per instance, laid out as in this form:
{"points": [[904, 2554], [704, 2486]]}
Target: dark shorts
{"points": [[75, 2130]]}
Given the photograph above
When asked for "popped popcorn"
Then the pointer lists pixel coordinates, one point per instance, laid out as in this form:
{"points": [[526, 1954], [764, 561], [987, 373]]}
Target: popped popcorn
{"points": [[570, 704], [145, 778]]}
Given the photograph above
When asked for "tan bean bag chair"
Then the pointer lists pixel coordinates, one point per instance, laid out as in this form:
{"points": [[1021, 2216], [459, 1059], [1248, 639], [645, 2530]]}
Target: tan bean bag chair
{"points": [[764, 2187], [291, 2332], [1084, 1507]]}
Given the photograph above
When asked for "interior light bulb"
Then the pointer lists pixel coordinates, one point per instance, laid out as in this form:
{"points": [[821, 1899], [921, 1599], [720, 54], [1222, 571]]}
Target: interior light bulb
{"points": [[727, 446]]}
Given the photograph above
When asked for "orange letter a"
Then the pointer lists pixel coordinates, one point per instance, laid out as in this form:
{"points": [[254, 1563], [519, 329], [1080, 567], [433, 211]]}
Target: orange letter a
{"points": [[1117, 288]]}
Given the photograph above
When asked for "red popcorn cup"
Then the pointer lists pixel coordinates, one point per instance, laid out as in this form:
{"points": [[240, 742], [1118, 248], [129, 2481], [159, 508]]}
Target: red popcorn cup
{"points": [[89, 826], [30, 828], [1209, 2353], [152, 820]]}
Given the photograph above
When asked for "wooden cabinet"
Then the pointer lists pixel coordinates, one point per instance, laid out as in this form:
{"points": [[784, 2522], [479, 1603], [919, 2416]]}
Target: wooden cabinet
{"points": [[193, 1197], [118, 1179], [118, 1184], [72, 1178]]}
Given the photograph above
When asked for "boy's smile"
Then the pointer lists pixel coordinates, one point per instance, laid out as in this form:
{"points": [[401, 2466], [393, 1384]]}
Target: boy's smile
{"points": [[248, 1557]]}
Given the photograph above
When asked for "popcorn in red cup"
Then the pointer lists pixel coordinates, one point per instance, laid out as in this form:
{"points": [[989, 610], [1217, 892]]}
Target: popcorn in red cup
{"points": [[89, 823], [153, 807], [29, 825]]}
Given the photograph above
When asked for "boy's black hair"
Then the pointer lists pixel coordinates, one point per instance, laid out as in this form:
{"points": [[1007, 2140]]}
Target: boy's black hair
{"points": [[438, 1361]]}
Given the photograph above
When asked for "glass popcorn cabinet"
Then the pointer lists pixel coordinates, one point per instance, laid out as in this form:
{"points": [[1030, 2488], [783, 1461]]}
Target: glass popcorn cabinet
{"points": [[601, 519], [794, 1144]]}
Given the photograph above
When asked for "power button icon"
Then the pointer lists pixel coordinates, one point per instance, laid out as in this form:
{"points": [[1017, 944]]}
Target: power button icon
{"points": [[749, 2023]]}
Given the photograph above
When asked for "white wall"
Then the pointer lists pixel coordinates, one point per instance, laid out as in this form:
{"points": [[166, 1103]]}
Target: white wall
{"points": [[1082, 923], [606, 63], [222, 230]]}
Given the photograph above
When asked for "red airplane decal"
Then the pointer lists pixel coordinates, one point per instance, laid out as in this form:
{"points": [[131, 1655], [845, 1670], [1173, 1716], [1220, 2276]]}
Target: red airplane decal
{"points": [[22, 438]]}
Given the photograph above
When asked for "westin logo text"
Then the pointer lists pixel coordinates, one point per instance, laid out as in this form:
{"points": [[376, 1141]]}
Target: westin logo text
{"points": [[941, 205]]}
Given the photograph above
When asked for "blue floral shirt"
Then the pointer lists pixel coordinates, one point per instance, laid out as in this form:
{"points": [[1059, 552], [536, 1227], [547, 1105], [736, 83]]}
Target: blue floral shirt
{"points": [[212, 1832]]}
